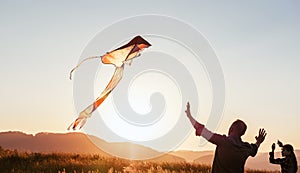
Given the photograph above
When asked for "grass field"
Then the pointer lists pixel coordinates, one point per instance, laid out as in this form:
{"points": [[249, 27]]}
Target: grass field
{"points": [[19, 162]]}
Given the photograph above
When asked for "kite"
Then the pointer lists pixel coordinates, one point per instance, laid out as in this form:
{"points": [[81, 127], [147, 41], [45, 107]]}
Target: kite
{"points": [[118, 58]]}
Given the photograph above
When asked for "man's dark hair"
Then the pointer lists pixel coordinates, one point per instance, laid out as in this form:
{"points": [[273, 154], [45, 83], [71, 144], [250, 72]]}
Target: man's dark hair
{"points": [[239, 127]]}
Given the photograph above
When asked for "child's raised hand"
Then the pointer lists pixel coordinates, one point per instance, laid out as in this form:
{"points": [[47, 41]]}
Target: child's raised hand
{"points": [[279, 143], [273, 146]]}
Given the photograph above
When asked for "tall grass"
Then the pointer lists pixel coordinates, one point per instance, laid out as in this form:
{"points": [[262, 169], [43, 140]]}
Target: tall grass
{"points": [[19, 162]]}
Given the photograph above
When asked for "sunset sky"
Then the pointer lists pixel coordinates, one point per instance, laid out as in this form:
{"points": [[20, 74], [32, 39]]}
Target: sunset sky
{"points": [[257, 44]]}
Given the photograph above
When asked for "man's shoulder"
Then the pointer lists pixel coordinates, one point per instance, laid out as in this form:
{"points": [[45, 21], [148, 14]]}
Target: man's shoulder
{"points": [[216, 138], [239, 141]]}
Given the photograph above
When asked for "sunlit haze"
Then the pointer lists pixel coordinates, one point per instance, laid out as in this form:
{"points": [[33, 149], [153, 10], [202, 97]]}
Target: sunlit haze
{"points": [[256, 42]]}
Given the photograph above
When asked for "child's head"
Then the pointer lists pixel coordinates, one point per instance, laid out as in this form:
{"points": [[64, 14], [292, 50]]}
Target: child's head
{"points": [[287, 150]]}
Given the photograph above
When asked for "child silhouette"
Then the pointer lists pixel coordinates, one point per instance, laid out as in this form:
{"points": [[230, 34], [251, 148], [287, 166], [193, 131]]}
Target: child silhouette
{"points": [[289, 162]]}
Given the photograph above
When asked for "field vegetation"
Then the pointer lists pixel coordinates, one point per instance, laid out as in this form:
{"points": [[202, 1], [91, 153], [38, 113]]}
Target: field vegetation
{"points": [[19, 162]]}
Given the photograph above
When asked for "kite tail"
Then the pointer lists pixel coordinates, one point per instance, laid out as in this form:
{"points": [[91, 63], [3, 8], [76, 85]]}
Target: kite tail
{"points": [[86, 113], [78, 121], [81, 120], [93, 57]]}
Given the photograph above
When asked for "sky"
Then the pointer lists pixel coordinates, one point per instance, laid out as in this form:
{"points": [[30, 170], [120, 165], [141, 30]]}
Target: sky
{"points": [[256, 42]]}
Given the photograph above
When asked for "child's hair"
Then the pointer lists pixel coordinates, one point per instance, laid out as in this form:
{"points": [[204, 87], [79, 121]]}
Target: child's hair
{"points": [[290, 148]]}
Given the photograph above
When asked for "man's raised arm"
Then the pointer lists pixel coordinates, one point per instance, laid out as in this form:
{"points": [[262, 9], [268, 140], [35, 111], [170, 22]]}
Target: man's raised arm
{"points": [[200, 128]]}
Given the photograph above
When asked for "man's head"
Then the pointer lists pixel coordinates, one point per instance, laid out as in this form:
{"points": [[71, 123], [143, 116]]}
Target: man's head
{"points": [[237, 128]]}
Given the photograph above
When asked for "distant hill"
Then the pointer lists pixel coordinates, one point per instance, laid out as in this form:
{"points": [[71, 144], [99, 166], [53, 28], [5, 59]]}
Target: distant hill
{"points": [[78, 143], [206, 159], [190, 156], [131, 151], [49, 142]]}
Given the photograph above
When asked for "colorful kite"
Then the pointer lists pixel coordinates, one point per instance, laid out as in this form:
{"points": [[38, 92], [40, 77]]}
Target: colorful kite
{"points": [[117, 57]]}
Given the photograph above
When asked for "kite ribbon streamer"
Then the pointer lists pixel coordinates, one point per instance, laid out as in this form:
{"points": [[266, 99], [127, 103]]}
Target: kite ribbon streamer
{"points": [[87, 112], [93, 57]]}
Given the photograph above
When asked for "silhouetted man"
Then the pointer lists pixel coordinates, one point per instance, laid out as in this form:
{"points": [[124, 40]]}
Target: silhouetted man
{"points": [[231, 152]]}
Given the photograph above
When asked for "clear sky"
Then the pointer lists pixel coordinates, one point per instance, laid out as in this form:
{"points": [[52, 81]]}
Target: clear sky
{"points": [[257, 43]]}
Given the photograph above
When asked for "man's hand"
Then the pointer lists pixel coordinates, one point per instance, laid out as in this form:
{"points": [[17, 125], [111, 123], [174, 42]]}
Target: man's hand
{"points": [[196, 124], [261, 136], [273, 147], [188, 111]]}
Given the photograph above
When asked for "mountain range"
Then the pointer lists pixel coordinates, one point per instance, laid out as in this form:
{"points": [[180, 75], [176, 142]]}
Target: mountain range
{"points": [[78, 143]]}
